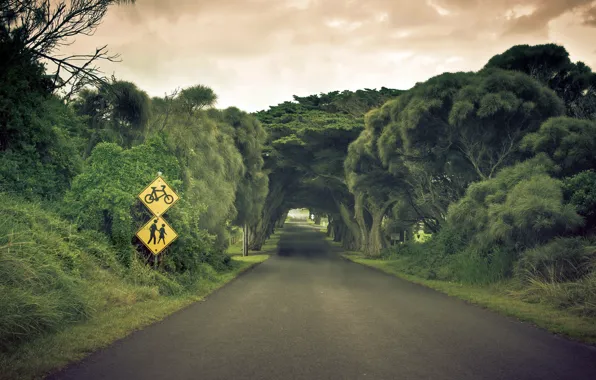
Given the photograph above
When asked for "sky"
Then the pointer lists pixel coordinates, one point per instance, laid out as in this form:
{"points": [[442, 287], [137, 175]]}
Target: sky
{"points": [[258, 53]]}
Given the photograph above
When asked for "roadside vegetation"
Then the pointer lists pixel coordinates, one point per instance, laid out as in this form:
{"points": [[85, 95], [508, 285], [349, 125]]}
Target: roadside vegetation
{"points": [[76, 149], [482, 179], [65, 292]]}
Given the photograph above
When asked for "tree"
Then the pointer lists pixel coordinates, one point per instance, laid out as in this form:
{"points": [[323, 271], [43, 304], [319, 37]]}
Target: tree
{"points": [[117, 111], [457, 128], [204, 143], [195, 98], [375, 190], [41, 27], [521, 207], [542, 62], [570, 142], [251, 192], [580, 191], [308, 142], [550, 64]]}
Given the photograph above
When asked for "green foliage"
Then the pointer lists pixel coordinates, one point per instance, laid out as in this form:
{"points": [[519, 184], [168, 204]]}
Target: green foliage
{"points": [[480, 266], [52, 274], [39, 273], [249, 137], [116, 112], [195, 98], [22, 89], [550, 64], [211, 166], [560, 260], [43, 164], [454, 129], [355, 103], [519, 208], [103, 196], [39, 142], [571, 143], [480, 116], [580, 191], [541, 61]]}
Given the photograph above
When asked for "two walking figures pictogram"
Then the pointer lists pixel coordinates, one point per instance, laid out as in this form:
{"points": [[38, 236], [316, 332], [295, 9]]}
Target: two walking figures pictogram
{"points": [[162, 233]]}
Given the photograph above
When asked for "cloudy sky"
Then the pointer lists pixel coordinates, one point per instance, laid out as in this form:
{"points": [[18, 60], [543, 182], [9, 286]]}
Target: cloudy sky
{"points": [[256, 53]]}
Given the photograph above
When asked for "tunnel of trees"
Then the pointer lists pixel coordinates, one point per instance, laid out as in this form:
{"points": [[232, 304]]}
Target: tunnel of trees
{"points": [[497, 165], [381, 162]]}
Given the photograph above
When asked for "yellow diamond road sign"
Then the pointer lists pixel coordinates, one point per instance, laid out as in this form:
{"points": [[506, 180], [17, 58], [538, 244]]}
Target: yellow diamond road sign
{"points": [[158, 196], [157, 235]]}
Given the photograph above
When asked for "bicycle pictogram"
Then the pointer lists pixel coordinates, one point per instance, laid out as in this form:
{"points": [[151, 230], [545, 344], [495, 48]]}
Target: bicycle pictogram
{"points": [[153, 197]]}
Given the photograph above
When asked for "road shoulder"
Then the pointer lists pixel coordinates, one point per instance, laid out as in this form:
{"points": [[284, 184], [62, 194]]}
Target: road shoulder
{"points": [[495, 298], [53, 352]]}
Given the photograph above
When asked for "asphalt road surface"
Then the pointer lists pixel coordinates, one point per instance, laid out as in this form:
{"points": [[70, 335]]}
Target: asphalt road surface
{"points": [[308, 314]]}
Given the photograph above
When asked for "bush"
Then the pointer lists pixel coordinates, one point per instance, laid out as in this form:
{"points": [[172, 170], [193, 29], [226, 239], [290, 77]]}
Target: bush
{"points": [[520, 207], [474, 266], [43, 164], [580, 191], [103, 196], [578, 297], [563, 259]]}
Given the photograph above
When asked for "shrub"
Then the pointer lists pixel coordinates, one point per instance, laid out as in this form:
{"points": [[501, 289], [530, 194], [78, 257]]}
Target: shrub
{"points": [[580, 191], [578, 297], [563, 259], [520, 207], [103, 196]]}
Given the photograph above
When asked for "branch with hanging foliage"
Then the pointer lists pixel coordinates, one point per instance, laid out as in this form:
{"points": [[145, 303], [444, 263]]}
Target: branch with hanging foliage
{"points": [[43, 27]]}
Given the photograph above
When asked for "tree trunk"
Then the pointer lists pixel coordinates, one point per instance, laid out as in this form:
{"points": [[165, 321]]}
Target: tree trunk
{"points": [[349, 241], [359, 216], [261, 230], [350, 233], [256, 237], [281, 221], [377, 243]]}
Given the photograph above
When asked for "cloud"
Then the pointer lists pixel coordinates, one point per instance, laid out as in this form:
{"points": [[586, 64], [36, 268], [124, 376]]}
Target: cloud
{"points": [[256, 53], [542, 13]]}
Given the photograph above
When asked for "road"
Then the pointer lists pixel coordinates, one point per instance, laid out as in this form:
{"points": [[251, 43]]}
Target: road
{"points": [[308, 314]]}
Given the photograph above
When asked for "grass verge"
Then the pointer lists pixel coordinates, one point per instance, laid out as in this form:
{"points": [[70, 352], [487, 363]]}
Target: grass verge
{"points": [[268, 248], [49, 353], [497, 297]]}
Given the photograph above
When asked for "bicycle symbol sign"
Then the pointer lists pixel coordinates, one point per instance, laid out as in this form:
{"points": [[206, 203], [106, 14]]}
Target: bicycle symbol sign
{"points": [[158, 196]]}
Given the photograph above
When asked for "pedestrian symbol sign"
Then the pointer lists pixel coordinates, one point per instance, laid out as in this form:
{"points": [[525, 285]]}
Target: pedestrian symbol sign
{"points": [[158, 196], [157, 235]]}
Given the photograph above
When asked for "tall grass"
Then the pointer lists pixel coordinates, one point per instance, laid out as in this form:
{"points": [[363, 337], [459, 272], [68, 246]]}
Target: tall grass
{"points": [[561, 273], [52, 275]]}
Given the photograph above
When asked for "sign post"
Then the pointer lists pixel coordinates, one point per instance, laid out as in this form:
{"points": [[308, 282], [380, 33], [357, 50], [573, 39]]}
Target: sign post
{"points": [[157, 234]]}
